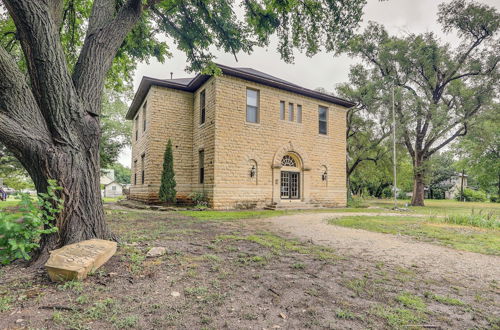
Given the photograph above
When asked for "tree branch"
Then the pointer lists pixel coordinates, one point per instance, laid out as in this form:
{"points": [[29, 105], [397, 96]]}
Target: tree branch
{"points": [[49, 78], [461, 132], [101, 44]]}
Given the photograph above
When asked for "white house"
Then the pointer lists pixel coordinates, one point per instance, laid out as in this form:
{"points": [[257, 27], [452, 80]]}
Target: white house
{"points": [[456, 183], [113, 189]]}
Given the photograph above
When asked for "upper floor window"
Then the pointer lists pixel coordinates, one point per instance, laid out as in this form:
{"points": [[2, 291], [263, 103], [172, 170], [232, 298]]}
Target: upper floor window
{"points": [[282, 110], [201, 165], [137, 127], [290, 112], [323, 120], [252, 105], [299, 113], [202, 107], [144, 116]]}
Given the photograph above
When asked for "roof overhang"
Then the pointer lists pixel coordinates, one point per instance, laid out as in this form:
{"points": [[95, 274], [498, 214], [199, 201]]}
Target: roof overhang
{"points": [[200, 79]]}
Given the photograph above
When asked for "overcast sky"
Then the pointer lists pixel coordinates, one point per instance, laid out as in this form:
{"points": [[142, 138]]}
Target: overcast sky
{"points": [[322, 70]]}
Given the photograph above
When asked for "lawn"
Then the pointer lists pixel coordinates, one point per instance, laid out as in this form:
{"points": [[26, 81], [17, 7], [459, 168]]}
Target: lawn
{"points": [[440, 207], [433, 230], [218, 274]]}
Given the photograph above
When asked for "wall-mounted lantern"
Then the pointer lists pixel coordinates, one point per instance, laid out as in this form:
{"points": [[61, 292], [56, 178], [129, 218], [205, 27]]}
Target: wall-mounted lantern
{"points": [[324, 176], [252, 171]]}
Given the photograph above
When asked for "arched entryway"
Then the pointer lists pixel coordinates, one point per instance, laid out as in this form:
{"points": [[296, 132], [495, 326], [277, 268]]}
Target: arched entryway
{"points": [[290, 177], [291, 174]]}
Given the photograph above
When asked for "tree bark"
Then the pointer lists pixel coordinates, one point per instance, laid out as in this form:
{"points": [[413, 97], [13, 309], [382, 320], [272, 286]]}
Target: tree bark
{"points": [[417, 198], [51, 122]]}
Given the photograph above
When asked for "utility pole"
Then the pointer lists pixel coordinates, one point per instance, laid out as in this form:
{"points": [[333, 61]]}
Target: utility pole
{"points": [[394, 183]]}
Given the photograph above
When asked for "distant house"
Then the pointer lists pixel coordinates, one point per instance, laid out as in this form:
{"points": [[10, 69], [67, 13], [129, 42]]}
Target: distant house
{"points": [[107, 176], [113, 189], [456, 184]]}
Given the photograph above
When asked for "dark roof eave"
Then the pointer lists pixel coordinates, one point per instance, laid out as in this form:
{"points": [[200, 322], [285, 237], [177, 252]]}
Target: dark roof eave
{"points": [[199, 79]]}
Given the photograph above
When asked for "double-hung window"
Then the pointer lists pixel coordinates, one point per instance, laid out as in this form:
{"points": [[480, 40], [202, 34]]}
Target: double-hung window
{"points": [[144, 116], [202, 107], [299, 113], [142, 168], [201, 165], [252, 106], [290, 112], [137, 127], [323, 120], [135, 172], [282, 110]]}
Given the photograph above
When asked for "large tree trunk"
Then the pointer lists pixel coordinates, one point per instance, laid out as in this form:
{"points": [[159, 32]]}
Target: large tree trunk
{"points": [[51, 121], [417, 198], [82, 218]]}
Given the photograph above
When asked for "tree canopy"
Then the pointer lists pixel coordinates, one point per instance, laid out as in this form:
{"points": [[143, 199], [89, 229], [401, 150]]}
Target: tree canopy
{"points": [[439, 88]]}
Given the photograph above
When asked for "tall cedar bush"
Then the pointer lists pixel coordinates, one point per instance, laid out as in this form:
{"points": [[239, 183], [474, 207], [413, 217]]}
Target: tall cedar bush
{"points": [[167, 186]]}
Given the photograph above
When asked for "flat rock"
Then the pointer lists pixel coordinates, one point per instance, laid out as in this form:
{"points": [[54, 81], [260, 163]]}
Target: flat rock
{"points": [[157, 251], [75, 261]]}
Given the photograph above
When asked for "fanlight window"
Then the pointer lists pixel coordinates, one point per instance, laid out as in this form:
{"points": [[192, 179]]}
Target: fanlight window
{"points": [[288, 161]]}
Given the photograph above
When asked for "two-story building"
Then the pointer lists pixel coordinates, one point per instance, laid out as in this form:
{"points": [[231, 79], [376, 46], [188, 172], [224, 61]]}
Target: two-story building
{"points": [[245, 138]]}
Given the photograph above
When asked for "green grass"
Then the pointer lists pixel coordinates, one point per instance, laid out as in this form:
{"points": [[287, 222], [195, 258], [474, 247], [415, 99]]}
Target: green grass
{"points": [[440, 207], [411, 301], [475, 219], [444, 300], [480, 240]]}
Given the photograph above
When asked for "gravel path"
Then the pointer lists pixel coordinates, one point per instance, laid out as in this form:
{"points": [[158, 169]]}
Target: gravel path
{"points": [[404, 251]]}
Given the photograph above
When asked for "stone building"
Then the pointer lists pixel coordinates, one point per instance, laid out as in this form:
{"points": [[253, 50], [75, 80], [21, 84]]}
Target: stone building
{"points": [[244, 138]]}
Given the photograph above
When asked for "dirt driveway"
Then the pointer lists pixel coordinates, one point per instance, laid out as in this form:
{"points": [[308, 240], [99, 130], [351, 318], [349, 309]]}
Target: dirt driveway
{"points": [[435, 260]]}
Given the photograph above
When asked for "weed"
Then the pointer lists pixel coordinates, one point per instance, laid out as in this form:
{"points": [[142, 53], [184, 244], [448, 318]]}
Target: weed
{"points": [[358, 285], [212, 257], [298, 265], [127, 322], [82, 299], [196, 291], [398, 317], [344, 314], [475, 219], [411, 301], [444, 300], [249, 317], [5, 303], [74, 285]]}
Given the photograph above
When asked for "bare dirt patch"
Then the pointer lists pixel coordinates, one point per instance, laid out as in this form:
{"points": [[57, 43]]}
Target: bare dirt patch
{"points": [[219, 275], [438, 261]]}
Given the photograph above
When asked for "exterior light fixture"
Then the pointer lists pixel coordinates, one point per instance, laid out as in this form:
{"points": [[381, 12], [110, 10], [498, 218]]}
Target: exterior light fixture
{"points": [[324, 176], [252, 171]]}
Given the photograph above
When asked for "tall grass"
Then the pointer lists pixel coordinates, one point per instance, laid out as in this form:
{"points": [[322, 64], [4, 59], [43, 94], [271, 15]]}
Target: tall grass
{"points": [[476, 219]]}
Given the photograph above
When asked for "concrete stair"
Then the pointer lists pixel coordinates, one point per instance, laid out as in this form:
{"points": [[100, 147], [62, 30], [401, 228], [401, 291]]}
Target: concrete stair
{"points": [[290, 205]]}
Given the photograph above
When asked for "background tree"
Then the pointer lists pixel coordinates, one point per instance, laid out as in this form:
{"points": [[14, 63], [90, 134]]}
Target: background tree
{"points": [[167, 185], [439, 89], [12, 172], [440, 171], [479, 152], [368, 123], [122, 173], [55, 64], [115, 130]]}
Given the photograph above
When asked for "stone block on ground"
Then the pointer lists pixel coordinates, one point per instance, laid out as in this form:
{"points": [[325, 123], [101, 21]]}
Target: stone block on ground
{"points": [[75, 261], [157, 251]]}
